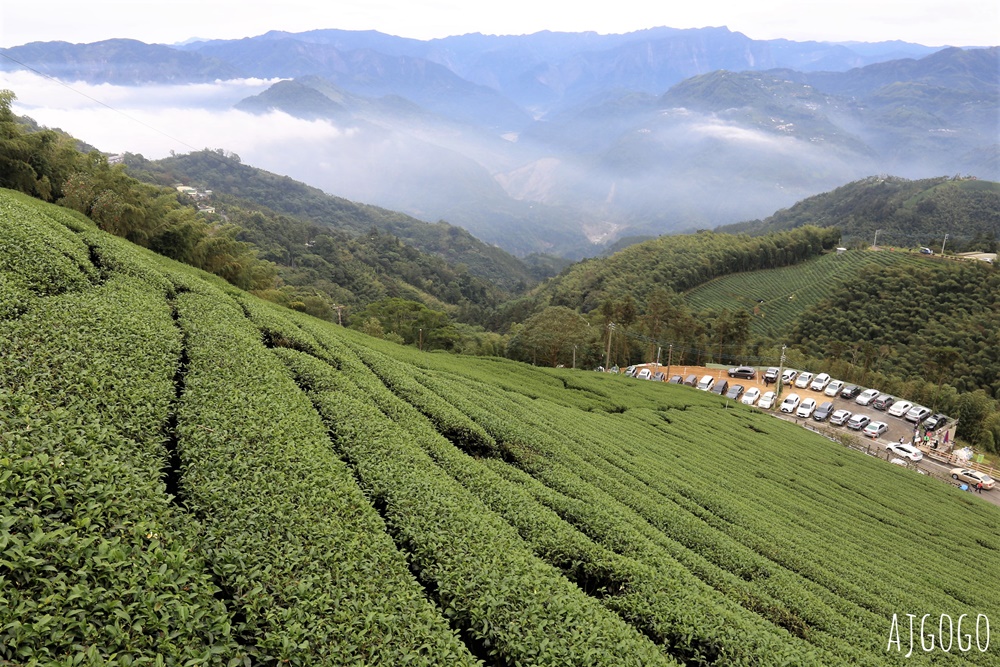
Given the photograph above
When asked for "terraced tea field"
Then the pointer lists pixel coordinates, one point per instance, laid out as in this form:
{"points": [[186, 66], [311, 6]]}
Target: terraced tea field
{"points": [[192, 476], [777, 297]]}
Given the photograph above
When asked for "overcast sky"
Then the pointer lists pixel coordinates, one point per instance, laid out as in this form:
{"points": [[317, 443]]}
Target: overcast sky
{"points": [[928, 22]]}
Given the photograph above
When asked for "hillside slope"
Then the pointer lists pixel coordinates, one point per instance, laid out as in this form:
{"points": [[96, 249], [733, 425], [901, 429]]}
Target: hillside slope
{"points": [[192, 474], [226, 176], [907, 213]]}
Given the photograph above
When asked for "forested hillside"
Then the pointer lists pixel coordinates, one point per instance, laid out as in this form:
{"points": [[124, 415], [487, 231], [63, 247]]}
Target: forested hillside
{"points": [[226, 177], [905, 213], [191, 475], [678, 263]]}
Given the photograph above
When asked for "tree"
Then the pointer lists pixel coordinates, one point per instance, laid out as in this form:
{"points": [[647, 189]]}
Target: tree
{"points": [[553, 333], [413, 322]]}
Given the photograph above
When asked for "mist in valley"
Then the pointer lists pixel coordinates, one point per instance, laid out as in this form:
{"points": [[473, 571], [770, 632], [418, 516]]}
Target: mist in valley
{"points": [[568, 184]]}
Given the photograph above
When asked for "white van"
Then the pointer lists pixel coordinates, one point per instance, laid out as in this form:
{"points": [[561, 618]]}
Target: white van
{"points": [[706, 383]]}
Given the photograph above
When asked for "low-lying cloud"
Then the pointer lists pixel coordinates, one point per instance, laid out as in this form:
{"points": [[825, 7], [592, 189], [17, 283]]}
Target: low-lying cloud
{"points": [[160, 119]]}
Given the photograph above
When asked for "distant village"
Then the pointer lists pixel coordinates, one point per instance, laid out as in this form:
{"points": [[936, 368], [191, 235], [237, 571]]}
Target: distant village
{"points": [[201, 197]]}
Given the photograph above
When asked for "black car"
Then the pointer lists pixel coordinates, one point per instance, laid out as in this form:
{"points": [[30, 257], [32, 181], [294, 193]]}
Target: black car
{"points": [[850, 391], [824, 410], [745, 372], [735, 392], [720, 388], [935, 422], [883, 402]]}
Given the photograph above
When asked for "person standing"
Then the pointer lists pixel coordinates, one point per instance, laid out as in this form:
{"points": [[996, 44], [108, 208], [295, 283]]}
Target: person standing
{"points": [[979, 487]]}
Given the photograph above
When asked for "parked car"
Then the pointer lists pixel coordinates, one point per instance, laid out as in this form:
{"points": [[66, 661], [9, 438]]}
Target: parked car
{"points": [[820, 381], [750, 396], [676, 379], [644, 374], [630, 371], [766, 401], [771, 376], [833, 389], [973, 477], [840, 417], [900, 408], [883, 402], [788, 375], [866, 397], [691, 380], [824, 410], [926, 251], [735, 392], [720, 387], [790, 403], [858, 422], [876, 429], [906, 451], [917, 414], [850, 391], [745, 372], [706, 382], [806, 408], [660, 377], [934, 422], [805, 377]]}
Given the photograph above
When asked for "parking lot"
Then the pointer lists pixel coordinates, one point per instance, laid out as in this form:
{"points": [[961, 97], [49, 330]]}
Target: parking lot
{"points": [[898, 427]]}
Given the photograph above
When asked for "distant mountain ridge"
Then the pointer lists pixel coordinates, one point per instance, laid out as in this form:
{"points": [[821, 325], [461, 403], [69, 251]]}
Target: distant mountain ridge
{"points": [[565, 142]]}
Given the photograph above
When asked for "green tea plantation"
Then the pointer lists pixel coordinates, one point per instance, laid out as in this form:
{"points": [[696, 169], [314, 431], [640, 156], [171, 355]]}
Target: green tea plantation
{"points": [[192, 476]]}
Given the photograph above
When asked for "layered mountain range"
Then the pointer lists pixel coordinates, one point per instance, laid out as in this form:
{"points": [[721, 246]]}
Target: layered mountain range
{"points": [[564, 142]]}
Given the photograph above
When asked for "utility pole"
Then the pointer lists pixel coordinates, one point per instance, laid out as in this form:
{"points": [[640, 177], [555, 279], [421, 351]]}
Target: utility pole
{"points": [[943, 242], [421, 338], [607, 355], [658, 350], [781, 371], [875, 242], [670, 354]]}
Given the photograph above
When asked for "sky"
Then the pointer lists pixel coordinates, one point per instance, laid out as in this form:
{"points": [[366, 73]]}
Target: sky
{"points": [[928, 22]]}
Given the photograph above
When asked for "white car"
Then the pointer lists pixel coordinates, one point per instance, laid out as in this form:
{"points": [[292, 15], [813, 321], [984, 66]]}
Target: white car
{"points": [[766, 401], [788, 375], [790, 403], [706, 383], [806, 408], [866, 397], [917, 414], [751, 396], [840, 417], [820, 381], [804, 379], [900, 408], [644, 374], [833, 389], [906, 451]]}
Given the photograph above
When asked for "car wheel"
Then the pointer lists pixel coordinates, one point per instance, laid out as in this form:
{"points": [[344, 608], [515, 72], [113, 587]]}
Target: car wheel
{"points": [[954, 476]]}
